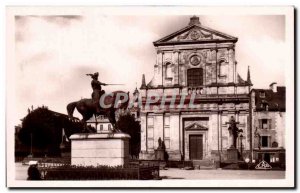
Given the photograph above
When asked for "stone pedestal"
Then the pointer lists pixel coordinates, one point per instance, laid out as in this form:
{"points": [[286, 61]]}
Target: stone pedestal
{"points": [[159, 154], [92, 149], [232, 155]]}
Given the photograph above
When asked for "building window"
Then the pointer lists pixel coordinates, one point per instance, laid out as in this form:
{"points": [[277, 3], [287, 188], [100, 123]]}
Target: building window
{"points": [[265, 141], [265, 124], [109, 127], [264, 106], [101, 127], [195, 77], [262, 94]]}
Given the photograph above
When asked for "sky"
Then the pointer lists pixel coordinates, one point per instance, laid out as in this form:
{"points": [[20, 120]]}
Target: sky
{"points": [[53, 53]]}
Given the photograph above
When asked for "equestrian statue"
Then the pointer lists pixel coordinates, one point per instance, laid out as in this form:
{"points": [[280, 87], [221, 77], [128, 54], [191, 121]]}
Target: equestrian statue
{"points": [[91, 107]]}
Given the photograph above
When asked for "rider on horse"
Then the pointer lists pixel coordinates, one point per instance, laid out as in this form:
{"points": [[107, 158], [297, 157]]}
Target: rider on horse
{"points": [[97, 90]]}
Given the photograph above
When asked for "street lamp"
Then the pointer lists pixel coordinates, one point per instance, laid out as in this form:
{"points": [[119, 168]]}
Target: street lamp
{"points": [[241, 141], [31, 152]]}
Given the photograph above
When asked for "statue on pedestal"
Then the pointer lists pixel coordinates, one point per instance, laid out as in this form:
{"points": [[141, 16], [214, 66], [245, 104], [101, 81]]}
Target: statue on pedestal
{"points": [[91, 107], [160, 151], [233, 131]]}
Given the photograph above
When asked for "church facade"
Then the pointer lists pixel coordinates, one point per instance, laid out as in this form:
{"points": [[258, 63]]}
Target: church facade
{"points": [[198, 63]]}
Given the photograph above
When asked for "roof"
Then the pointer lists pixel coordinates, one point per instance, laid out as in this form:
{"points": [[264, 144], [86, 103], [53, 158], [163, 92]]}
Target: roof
{"points": [[100, 119], [195, 33], [274, 100]]}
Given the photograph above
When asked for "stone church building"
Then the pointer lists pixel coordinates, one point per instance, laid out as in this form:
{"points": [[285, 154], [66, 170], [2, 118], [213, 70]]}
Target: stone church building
{"points": [[199, 61]]}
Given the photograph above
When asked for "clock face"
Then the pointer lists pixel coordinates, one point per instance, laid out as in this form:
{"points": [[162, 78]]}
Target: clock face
{"points": [[195, 34], [195, 60]]}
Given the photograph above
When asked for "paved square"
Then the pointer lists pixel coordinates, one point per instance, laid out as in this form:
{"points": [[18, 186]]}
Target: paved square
{"points": [[173, 173], [219, 174]]}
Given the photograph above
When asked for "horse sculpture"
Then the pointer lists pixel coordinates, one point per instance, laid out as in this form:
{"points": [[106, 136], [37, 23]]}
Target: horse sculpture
{"points": [[88, 108]]}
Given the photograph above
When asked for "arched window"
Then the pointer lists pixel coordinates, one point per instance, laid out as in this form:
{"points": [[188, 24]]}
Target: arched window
{"points": [[195, 77]]}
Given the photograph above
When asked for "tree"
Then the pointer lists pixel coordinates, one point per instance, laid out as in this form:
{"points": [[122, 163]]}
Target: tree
{"points": [[44, 128], [129, 125]]}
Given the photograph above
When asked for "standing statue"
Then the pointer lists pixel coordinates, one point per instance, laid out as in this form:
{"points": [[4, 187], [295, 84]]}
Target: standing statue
{"points": [[159, 143], [234, 131], [91, 107]]}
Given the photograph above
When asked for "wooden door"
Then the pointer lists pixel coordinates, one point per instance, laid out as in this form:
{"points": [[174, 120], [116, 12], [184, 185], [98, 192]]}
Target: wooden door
{"points": [[196, 147]]}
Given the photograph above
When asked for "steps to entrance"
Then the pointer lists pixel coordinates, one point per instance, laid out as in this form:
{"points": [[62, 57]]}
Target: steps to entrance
{"points": [[205, 164]]}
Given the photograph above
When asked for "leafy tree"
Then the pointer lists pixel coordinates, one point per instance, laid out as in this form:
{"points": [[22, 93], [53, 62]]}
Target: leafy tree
{"points": [[127, 124], [44, 127]]}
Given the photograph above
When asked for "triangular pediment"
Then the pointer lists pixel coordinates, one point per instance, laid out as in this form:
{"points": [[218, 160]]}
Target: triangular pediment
{"points": [[195, 34], [196, 126]]}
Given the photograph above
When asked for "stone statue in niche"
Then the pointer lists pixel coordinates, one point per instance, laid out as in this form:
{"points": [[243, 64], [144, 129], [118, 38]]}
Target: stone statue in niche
{"points": [[160, 144], [161, 150], [233, 131]]}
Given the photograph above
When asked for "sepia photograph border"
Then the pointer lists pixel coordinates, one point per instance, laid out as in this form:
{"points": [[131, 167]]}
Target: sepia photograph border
{"points": [[287, 11]]}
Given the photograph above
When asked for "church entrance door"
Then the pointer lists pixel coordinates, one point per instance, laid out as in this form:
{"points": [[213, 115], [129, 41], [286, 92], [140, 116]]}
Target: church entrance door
{"points": [[196, 147]]}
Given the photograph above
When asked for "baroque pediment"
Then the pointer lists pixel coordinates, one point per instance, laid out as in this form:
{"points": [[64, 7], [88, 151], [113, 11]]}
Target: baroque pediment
{"points": [[195, 34], [196, 126]]}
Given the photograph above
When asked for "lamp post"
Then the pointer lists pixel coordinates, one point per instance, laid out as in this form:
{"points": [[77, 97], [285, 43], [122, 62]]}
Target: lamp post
{"points": [[31, 153], [241, 141]]}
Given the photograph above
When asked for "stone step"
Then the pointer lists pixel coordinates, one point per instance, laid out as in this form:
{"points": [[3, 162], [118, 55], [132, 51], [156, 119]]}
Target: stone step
{"points": [[198, 167], [205, 162]]}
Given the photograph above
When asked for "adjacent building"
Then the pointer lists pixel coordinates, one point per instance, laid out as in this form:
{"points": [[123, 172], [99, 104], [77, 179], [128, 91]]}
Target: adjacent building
{"points": [[101, 124], [268, 110]]}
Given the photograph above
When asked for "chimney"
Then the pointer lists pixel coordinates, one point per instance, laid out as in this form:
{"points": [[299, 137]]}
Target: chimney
{"points": [[194, 20], [273, 86]]}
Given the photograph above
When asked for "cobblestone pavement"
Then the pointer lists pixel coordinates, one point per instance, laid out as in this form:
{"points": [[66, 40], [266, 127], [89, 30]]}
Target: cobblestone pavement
{"points": [[172, 173]]}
